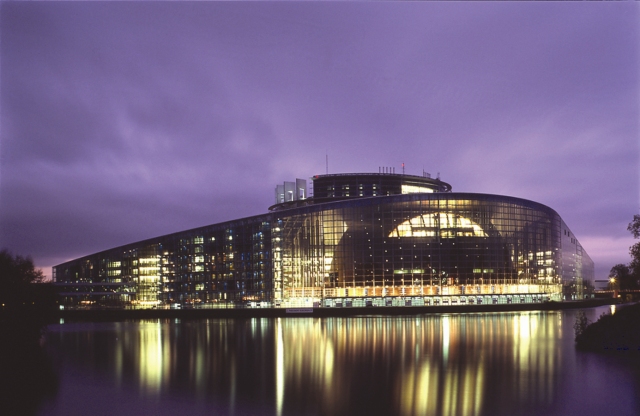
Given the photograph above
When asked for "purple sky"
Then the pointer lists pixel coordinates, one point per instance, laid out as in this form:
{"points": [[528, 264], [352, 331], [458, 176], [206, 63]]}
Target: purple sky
{"points": [[126, 120]]}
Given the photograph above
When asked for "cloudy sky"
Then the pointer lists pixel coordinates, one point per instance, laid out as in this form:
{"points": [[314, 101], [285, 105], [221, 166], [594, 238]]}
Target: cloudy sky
{"points": [[122, 121]]}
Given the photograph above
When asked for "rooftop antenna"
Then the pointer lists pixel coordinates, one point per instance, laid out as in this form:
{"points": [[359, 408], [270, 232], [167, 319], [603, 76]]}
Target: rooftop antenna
{"points": [[403, 168], [327, 161]]}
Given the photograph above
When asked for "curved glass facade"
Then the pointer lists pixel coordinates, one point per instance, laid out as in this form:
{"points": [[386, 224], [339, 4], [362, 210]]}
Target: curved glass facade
{"points": [[402, 249]]}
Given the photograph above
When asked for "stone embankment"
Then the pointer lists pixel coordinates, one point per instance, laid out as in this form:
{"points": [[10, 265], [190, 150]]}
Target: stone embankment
{"points": [[125, 314]]}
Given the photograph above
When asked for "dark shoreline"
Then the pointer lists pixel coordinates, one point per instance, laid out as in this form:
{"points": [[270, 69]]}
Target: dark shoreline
{"points": [[102, 315], [619, 332]]}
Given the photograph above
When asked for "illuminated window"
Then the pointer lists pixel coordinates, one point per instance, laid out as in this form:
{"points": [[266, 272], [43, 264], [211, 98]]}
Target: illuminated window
{"points": [[446, 225], [411, 189]]}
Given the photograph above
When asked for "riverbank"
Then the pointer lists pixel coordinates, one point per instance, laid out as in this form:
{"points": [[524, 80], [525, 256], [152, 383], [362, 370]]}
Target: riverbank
{"points": [[28, 376], [610, 333], [114, 315]]}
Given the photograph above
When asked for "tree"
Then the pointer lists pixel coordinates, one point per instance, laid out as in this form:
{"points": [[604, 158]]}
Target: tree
{"points": [[620, 277], [26, 306], [634, 250], [634, 226], [18, 269], [17, 275]]}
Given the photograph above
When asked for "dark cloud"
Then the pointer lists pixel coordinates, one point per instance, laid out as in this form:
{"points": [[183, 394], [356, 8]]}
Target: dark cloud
{"points": [[126, 120]]}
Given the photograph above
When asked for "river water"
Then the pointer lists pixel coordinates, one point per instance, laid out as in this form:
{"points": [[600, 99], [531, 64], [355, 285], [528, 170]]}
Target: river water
{"points": [[515, 363]]}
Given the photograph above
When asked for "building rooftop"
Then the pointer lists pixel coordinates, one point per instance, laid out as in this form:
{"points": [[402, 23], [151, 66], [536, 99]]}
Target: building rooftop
{"points": [[338, 186]]}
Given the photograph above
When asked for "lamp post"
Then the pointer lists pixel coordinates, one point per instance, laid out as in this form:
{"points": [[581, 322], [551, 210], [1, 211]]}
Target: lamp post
{"points": [[613, 282]]}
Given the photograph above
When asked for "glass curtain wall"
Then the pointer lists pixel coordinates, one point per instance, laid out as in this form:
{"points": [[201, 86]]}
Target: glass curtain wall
{"points": [[421, 247], [417, 245], [222, 265]]}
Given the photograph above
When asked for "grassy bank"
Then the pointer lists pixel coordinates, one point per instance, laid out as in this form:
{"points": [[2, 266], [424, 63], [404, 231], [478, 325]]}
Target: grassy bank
{"points": [[618, 332]]}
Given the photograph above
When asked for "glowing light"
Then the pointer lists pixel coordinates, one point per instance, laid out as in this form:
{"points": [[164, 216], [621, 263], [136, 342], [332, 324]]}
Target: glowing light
{"points": [[279, 367], [412, 189], [445, 224]]}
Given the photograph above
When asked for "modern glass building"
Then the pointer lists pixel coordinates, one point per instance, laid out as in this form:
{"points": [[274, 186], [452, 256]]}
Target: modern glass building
{"points": [[379, 239]]}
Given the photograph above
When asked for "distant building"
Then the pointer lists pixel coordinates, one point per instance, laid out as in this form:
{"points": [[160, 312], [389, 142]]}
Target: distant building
{"points": [[602, 284], [370, 239]]}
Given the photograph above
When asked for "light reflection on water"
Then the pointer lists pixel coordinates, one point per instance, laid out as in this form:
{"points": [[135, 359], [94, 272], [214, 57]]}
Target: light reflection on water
{"points": [[456, 364]]}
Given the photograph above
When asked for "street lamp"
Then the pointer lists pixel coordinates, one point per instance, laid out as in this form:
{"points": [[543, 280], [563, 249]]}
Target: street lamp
{"points": [[614, 286]]}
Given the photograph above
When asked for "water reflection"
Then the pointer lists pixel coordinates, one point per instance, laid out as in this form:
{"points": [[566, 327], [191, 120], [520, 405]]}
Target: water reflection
{"points": [[458, 364], [436, 365]]}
